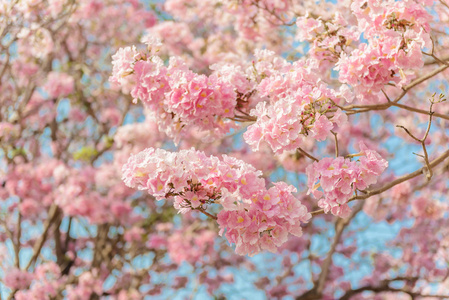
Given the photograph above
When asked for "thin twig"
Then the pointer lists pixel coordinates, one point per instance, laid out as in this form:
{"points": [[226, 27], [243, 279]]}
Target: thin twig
{"points": [[393, 183], [317, 212], [401, 179], [307, 154], [337, 152], [208, 214]]}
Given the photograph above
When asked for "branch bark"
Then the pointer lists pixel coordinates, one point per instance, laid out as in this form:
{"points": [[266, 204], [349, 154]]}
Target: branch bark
{"points": [[52, 213], [317, 291]]}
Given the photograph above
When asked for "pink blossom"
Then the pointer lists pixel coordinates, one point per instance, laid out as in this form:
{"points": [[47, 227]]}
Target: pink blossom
{"points": [[59, 84], [18, 279], [321, 127], [273, 215], [134, 234], [425, 207], [229, 182], [122, 62], [339, 177]]}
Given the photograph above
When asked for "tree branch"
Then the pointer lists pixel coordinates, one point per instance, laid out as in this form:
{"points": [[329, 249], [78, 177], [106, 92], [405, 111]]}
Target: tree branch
{"points": [[52, 213], [399, 180], [340, 225]]}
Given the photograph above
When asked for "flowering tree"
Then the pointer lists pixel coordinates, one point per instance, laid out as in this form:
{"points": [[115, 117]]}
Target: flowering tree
{"points": [[222, 131]]}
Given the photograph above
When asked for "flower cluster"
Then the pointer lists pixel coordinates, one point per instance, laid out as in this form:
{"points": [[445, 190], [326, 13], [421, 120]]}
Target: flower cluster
{"points": [[192, 248], [122, 64], [286, 124], [18, 279], [425, 207], [59, 84], [327, 39], [396, 31], [255, 218], [178, 98], [255, 19], [303, 109], [46, 281], [190, 177], [340, 177], [266, 223], [300, 107]]}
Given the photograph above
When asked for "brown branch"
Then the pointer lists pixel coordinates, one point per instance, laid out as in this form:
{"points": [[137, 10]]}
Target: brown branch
{"points": [[384, 106], [336, 144], [421, 80], [207, 214], [401, 179], [365, 108], [384, 287], [340, 225], [317, 212], [52, 213], [421, 111], [307, 154], [19, 234]]}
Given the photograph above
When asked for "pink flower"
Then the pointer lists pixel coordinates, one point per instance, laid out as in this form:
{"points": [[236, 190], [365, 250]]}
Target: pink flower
{"points": [[425, 207], [59, 84], [372, 165], [249, 210], [265, 225], [321, 127], [134, 234], [339, 178], [18, 279]]}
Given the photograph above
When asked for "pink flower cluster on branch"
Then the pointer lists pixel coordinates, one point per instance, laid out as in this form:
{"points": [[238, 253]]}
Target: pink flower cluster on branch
{"points": [[191, 178], [328, 39], [396, 31], [301, 107], [340, 177], [255, 218], [266, 223], [59, 84], [177, 98], [379, 43]]}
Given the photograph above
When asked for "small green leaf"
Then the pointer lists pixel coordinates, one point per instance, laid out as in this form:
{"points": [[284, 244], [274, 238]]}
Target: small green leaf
{"points": [[85, 154]]}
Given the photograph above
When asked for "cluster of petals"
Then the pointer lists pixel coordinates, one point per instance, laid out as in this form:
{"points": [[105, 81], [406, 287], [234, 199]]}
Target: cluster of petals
{"points": [[374, 16], [395, 32], [300, 107], [88, 285], [279, 126], [100, 200], [340, 177], [191, 248], [178, 98], [122, 64], [18, 279], [256, 19], [190, 176], [46, 281], [267, 222], [426, 207], [59, 84], [327, 40], [255, 218], [31, 183]]}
